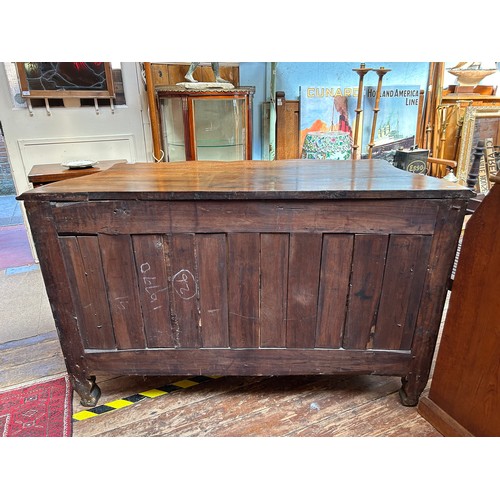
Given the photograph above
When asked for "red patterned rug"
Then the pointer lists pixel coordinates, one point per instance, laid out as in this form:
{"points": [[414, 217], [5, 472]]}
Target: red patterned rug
{"points": [[40, 410]]}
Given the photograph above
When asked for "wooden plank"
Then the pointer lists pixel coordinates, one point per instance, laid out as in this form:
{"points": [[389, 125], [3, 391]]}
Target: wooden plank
{"points": [[21, 355], [336, 261], [441, 259], [212, 271], [444, 423], [160, 74], [341, 216], [287, 128], [366, 286], [255, 361], [57, 286], [123, 290], [375, 417], [19, 344], [149, 416], [83, 264], [32, 371], [317, 180], [184, 294], [274, 286], [152, 275], [404, 278], [243, 289], [116, 387], [284, 406], [303, 285]]}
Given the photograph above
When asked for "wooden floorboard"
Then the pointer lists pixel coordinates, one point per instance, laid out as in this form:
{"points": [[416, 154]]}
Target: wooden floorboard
{"points": [[295, 406]]}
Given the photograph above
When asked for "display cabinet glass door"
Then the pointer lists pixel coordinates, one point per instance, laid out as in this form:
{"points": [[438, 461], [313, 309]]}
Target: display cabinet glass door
{"points": [[172, 117], [219, 129], [196, 127]]}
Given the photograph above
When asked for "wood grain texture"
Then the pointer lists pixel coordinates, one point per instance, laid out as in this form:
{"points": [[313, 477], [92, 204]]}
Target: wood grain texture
{"points": [[52, 172], [404, 277], [212, 271], [343, 216], [84, 268], [243, 289], [336, 262], [286, 406], [369, 257], [57, 286], [246, 361], [184, 295], [123, 290], [306, 406], [274, 254], [303, 285], [466, 379], [272, 268], [259, 179], [287, 128], [153, 277], [440, 264]]}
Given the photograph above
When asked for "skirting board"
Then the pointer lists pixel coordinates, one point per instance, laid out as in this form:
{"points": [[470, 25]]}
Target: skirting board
{"points": [[440, 420]]}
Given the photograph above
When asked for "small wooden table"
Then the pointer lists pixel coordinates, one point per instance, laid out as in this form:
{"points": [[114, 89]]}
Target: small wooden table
{"points": [[51, 172]]}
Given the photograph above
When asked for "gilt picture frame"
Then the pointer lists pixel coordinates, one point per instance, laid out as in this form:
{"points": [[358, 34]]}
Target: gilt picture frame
{"points": [[65, 79], [479, 122]]}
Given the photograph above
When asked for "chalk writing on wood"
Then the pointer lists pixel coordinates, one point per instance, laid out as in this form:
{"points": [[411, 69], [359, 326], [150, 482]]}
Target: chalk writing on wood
{"points": [[184, 284], [121, 302], [150, 286]]}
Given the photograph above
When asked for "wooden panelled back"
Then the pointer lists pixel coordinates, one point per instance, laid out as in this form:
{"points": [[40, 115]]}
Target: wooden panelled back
{"points": [[247, 289]]}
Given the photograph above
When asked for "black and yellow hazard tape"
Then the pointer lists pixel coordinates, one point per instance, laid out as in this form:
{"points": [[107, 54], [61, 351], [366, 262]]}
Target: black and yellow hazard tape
{"points": [[135, 398]]}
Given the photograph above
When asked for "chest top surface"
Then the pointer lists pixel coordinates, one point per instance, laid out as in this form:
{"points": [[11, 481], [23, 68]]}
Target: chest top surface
{"points": [[250, 180]]}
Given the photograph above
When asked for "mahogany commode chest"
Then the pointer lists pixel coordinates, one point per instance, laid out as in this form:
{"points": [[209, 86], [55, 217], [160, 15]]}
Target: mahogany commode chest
{"points": [[247, 268]]}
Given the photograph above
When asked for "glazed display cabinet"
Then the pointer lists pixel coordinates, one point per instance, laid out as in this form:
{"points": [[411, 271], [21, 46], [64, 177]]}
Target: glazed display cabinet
{"points": [[213, 124]]}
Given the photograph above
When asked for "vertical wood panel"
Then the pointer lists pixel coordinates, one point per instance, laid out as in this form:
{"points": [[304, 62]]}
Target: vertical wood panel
{"points": [[336, 263], [274, 281], [211, 254], [287, 128], [303, 285], [152, 275], [184, 293], [243, 289], [83, 263], [123, 292], [440, 263], [366, 285], [403, 281]]}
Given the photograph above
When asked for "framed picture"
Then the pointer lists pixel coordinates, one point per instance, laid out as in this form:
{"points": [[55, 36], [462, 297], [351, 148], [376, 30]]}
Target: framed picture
{"points": [[65, 79], [480, 122]]}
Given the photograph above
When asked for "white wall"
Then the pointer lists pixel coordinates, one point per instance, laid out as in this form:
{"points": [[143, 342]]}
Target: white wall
{"points": [[75, 133]]}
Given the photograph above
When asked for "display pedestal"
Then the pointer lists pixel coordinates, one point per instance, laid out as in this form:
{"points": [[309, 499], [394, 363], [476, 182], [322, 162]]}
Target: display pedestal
{"points": [[205, 85]]}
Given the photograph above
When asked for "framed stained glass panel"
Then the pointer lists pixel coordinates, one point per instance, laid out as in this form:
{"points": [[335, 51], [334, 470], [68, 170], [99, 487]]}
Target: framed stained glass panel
{"points": [[65, 79]]}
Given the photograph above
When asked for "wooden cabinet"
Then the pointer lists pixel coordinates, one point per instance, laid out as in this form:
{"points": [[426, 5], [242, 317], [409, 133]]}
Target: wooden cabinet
{"points": [[464, 395], [248, 268], [212, 124]]}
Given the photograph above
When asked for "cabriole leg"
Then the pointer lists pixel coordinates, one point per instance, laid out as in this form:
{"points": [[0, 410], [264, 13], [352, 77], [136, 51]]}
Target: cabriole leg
{"points": [[87, 389]]}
